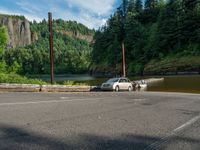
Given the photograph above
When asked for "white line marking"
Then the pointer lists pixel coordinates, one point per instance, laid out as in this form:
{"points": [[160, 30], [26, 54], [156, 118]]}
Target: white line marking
{"points": [[64, 97], [163, 140], [51, 101], [190, 122], [139, 99]]}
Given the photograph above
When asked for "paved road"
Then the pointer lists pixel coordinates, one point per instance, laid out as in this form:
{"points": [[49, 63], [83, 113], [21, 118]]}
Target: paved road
{"points": [[98, 121]]}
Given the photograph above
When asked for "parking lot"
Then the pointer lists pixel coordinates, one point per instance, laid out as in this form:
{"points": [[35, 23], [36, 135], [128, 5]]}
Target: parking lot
{"points": [[99, 120]]}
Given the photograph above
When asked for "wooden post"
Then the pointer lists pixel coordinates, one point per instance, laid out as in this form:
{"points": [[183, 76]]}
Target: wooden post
{"points": [[51, 47], [123, 61]]}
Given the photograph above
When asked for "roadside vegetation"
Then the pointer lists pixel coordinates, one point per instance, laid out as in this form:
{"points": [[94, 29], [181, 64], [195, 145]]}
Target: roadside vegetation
{"points": [[17, 79], [74, 83]]}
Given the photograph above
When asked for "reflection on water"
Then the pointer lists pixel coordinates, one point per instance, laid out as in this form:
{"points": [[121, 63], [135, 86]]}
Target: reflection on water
{"points": [[187, 84]]}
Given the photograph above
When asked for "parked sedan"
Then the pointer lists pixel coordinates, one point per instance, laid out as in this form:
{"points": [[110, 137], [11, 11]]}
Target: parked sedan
{"points": [[117, 84]]}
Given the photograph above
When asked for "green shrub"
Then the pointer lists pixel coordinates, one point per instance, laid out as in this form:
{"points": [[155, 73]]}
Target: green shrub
{"points": [[3, 67], [14, 78], [14, 68], [73, 83], [68, 82], [135, 68]]}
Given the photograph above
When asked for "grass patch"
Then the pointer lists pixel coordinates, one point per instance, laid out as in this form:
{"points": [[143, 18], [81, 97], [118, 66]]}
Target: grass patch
{"points": [[17, 79], [74, 83]]}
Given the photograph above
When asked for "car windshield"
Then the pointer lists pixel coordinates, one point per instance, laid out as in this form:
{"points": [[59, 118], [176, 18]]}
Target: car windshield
{"points": [[112, 80]]}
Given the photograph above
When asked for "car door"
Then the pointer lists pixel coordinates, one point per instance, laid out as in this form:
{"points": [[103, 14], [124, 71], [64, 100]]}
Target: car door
{"points": [[126, 84], [121, 84]]}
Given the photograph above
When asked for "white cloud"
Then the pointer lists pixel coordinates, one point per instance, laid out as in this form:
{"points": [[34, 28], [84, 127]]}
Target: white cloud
{"points": [[92, 13], [83, 17], [100, 7], [30, 17], [28, 7]]}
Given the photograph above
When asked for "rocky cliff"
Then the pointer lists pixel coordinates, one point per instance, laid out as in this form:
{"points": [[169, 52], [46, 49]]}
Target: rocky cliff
{"points": [[77, 35], [18, 30]]}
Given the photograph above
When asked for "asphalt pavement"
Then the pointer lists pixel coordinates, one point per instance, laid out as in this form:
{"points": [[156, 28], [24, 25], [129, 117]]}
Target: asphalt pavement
{"points": [[99, 121]]}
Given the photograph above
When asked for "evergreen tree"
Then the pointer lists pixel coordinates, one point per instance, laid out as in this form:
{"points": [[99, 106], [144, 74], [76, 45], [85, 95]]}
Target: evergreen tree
{"points": [[138, 6], [169, 26], [151, 12], [122, 13], [161, 3], [131, 6], [191, 20], [151, 4]]}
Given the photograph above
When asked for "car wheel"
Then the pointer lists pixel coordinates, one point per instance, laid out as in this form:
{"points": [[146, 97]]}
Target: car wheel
{"points": [[117, 88], [129, 88]]}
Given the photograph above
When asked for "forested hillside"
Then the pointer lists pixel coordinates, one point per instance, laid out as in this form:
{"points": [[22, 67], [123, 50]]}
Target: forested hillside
{"points": [[72, 49], [163, 36], [159, 36]]}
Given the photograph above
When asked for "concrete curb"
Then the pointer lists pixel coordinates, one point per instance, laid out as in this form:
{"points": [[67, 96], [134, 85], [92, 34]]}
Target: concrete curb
{"points": [[19, 87], [4, 87], [63, 88]]}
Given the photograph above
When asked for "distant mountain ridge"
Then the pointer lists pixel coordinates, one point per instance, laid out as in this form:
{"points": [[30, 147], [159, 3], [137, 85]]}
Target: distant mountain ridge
{"points": [[21, 33]]}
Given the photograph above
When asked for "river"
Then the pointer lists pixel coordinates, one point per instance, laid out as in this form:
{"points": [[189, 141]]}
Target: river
{"points": [[186, 84]]}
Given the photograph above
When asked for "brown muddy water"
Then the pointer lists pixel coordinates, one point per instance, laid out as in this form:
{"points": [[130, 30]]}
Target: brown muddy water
{"points": [[185, 84]]}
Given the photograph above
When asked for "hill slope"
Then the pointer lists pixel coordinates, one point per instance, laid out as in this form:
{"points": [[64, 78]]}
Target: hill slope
{"points": [[72, 48]]}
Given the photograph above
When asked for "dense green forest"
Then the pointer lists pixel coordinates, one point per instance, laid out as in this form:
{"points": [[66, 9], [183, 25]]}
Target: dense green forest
{"points": [[72, 49], [161, 36]]}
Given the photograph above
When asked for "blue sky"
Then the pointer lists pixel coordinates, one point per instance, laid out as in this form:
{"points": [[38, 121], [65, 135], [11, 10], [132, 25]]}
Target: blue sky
{"points": [[92, 13]]}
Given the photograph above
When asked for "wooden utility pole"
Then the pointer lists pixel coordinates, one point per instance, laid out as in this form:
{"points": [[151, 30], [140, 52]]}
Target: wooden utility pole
{"points": [[123, 61], [122, 12], [51, 47]]}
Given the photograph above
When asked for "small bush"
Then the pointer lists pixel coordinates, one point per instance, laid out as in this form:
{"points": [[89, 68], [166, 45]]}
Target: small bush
{"points": [[3, 67], [14, 78], [73, 83], [68, 82], [135, 68], [14, 68]]}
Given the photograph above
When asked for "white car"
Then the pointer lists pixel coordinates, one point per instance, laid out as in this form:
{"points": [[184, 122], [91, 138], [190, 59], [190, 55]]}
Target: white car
{"points": [[117, 84]]}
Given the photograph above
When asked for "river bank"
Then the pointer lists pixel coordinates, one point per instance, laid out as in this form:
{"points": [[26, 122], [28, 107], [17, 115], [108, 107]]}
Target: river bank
{"points": [[184, 65]]}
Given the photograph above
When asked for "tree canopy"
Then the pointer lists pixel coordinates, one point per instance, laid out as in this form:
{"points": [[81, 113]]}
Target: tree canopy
{"points": [[72, 49], [3, 39], [155, 31]]}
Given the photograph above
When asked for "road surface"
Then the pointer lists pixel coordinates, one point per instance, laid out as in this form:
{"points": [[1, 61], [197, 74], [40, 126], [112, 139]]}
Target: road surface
{"points": [[99, 121]]}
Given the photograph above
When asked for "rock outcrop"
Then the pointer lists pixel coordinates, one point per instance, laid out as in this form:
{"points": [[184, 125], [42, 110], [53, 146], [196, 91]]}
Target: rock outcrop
{"points": [[19, 33], [77, 35]]}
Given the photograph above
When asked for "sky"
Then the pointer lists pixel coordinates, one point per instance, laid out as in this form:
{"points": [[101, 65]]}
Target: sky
{"points": [[92, 13]]}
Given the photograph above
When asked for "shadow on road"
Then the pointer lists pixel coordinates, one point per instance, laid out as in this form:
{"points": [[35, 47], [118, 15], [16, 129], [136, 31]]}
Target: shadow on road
{"points": [[12, 138]]}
